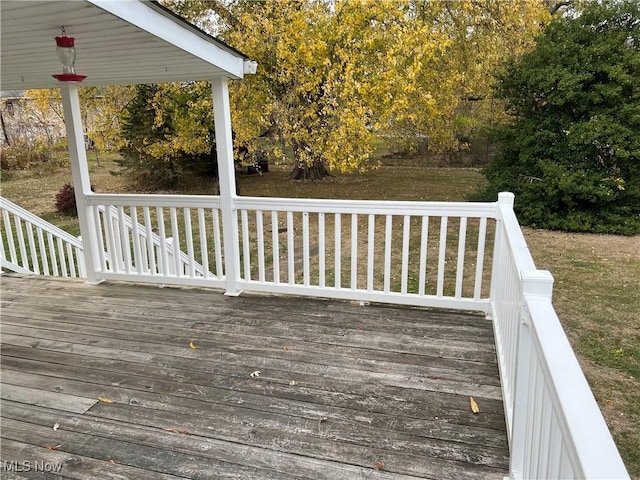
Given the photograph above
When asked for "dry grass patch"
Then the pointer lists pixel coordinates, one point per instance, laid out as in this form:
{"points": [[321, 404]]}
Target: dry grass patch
{"points": [[35, 189], [385, 183]]}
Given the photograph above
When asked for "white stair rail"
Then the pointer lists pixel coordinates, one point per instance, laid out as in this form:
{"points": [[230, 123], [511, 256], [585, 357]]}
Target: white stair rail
{"points": [[31, 245], [146, 238], [162, 239]]}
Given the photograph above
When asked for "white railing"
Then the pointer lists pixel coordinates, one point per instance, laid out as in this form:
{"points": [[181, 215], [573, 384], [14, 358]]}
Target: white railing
{"points": [[159, 238], [555, 427], [150, 243], [416, 253], [31, 245]]}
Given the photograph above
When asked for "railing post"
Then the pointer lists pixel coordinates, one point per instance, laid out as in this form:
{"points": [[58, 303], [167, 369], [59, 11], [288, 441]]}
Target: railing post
{"points": [[170, 268], [81, 183], [536, 284], [505, 199], [227, 182], [82, 267], [521, 399]]}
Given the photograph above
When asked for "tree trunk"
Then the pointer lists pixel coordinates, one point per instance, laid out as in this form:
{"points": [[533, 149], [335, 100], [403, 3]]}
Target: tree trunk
{"points": [[314, 171], [5, 134]]}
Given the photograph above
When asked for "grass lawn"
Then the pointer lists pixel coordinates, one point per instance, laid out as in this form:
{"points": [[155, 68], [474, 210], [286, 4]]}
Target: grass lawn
{"points": [[35, 189], [596, 290]]}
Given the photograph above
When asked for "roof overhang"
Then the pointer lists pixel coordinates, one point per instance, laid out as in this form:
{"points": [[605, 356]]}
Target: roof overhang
{"points": [[117, 42]]}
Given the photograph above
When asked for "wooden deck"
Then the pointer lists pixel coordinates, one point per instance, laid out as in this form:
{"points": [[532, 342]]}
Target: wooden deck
{"points": [[127, 381]]}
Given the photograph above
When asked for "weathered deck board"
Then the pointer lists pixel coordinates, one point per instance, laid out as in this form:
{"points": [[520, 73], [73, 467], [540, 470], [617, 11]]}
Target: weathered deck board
{"points": [[71, 465], [35, 396], [342, 387]]}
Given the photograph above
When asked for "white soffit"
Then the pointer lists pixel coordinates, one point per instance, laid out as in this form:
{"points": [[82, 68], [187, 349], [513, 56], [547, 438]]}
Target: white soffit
{"points": [[117, 42]]}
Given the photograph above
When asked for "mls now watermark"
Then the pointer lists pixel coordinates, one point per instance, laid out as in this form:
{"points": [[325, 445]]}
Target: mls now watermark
{"points": [[28, 466]]}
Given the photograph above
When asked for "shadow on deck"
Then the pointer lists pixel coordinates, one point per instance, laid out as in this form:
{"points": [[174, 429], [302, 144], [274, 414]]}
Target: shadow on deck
{"points": [[145, 382]]}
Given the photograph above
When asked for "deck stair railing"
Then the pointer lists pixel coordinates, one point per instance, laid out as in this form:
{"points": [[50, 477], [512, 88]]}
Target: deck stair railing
{"points": [[469, 256], [149, 242], [32, 245], [165, 239], [29, 244]]}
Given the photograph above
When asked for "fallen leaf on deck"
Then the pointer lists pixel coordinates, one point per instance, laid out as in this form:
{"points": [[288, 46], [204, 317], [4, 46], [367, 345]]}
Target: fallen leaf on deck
{"points": [[286, 348], [474, 406], [172, 430], [292, 383], [359, 327], [51, 447], [56, 427], [105, 400], [111, 460], [255, 374], [192, 345], [378, 466]]}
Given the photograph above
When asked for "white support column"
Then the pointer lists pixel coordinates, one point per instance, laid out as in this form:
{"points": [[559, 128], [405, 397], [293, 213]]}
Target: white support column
{"points": [[81, 183], [227, 181]]}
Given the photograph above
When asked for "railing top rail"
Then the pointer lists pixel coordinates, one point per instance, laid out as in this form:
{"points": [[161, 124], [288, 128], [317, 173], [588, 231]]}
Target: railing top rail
{"points": [[379, 207], [39, 223], [579, 414], [316, 205], [178, 201]]}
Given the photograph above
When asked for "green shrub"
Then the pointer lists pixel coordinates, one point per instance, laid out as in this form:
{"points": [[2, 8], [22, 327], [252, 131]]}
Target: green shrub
{"points": [[167, 137], [572, 152]]}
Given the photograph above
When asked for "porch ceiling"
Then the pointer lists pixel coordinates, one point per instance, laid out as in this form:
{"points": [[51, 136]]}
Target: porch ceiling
{"points": [[117, 42]]}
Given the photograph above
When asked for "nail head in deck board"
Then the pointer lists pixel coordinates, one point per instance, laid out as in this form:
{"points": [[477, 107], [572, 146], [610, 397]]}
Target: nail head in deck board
{"points": [[59, 401], [357, 378]]}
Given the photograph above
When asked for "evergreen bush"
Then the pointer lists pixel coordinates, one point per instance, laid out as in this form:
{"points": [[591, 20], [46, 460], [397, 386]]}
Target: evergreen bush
{"points": [[572, 153], [164, 139]]}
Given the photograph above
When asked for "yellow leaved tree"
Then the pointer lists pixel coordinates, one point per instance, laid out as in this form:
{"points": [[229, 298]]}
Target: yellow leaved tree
{"points": [[101, 108], [334, 75]]}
